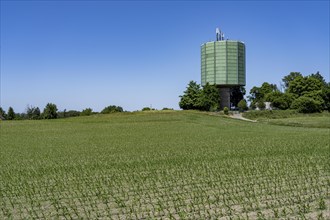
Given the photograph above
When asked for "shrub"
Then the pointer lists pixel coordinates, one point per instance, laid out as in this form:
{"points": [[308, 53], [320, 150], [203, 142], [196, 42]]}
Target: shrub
{"points": [[86, 112], [279, 100], [112, 109], [11, 114], [261, 105], [32, 112], [226, 110], [305, 104], [50, 111], [146, 109], [242, 105]]}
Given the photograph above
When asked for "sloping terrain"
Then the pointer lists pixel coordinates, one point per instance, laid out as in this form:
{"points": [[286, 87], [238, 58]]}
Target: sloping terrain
{"points": [[162, 165]]}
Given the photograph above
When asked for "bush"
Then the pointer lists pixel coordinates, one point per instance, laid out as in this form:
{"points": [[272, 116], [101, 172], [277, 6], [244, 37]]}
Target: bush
{"points": [[305, 104], [226, 110], [86, 112], [11, 114], [279, 100], [167, 108], [50, 111], [203, 99], [261, 105], [242, 105], [112, 109], [32, 113], [146, 109], [270, 114]]}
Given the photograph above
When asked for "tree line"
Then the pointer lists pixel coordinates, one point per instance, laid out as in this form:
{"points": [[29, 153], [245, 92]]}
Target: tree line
{"points": [[51, 112], [207, 97], [306, 94]]}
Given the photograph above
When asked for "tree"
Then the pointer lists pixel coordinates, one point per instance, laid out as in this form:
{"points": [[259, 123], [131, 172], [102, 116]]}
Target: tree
{"points": [[318, 76], [242, 105], [302, 85], [86, 112], [146, 109], [112, 109], [257, 94], [189, 99], [236, 95], [305, 104], [326, 96], [209, 98], [11, 114], [279, 100], [50, 111], [289, 78], [32, 112], [2, 113], [206, 98]]}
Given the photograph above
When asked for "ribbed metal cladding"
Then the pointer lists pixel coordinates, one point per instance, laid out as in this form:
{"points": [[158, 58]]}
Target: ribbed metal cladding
{"points": [[223, 63]]}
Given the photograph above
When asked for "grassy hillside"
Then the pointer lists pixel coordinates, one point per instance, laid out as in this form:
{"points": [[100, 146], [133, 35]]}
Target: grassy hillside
{"points": [[291, 118], [170, 164]]}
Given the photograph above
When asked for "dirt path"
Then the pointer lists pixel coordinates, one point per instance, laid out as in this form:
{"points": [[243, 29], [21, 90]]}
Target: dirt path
{"points": [[240, 117]]}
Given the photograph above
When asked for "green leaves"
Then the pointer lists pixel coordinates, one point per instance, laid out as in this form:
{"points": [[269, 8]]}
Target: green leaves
{"points": [[205, 99], [50, 111], [111, 109]]}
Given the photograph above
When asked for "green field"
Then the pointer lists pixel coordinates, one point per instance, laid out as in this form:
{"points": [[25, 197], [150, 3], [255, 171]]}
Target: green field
{"points": [[162, 165]]}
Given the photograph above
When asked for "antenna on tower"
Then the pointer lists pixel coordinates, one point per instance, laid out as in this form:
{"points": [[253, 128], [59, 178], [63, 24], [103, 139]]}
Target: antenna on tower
{"points": [[218, 34]]}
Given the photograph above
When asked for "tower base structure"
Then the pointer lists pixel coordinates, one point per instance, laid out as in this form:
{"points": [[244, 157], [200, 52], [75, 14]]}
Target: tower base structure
{"points": [[224, 97]]}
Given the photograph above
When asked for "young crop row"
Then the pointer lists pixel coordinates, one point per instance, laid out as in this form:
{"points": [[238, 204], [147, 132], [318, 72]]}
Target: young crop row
{"points": [[206, 192], [151, 166]]}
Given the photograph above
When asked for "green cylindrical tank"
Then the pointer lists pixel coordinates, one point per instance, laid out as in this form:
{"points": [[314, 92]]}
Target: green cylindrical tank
{"points": [[223, 63]]}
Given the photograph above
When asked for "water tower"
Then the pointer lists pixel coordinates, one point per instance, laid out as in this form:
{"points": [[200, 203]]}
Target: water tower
{"points": [[223, 64]]}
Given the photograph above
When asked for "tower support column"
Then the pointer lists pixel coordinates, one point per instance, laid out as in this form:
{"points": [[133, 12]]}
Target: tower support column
{"points": [[224, 97]]}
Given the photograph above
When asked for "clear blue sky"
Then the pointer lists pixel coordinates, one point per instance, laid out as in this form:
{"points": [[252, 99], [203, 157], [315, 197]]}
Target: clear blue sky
{"points": [[80, 54]]}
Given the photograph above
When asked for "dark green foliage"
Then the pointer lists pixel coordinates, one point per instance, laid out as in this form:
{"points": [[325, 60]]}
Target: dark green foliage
{"points": [[319, 77], [189, 99], [261, 105], [305, 104], [204, 99], [326, 96], [258, 93], [2, 113], [226, 110], [314, 89], [279, 100], [50, 111], [146, 109], [112, 109], [167, 108], [242, 105], [32, 113], [86, 112], [302, 85], [209, 98], [11, 114], [237, 94], [289, 78]]}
